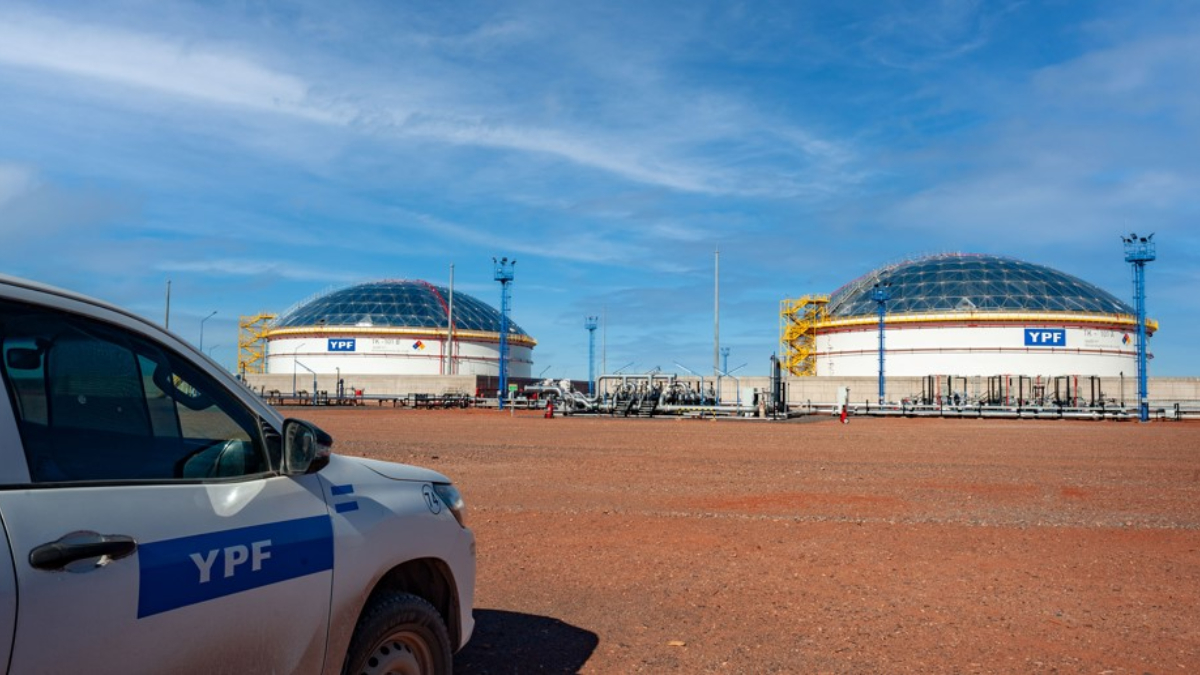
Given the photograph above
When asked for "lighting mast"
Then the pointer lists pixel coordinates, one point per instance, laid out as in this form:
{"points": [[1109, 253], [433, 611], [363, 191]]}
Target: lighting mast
{"points": [[590, 324], [881, 294], [504, 274], [1138, 252]]}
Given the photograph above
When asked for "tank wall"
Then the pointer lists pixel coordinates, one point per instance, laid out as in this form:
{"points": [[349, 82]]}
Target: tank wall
{"points": [[979, 350], [376, 355]]}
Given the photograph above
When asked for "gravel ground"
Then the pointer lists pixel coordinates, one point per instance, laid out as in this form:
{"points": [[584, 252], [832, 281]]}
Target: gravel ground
{"points": [[889, 546]]}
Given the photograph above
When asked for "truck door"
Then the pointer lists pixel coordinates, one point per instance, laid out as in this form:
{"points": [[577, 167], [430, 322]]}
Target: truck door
{"points": [[9, 455], [151, 534]]}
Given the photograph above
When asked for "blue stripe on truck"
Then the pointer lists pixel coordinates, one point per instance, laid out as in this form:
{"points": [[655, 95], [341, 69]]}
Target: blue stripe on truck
{"points": [[176, 573]]}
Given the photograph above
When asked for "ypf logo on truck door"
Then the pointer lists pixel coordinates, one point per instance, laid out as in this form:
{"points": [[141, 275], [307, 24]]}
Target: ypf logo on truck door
{"points": [[176, 573], [1045, 337]]}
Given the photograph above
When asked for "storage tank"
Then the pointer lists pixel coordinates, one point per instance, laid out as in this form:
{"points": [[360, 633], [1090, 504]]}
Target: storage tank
{"points": [[971, 315], [395, 327]]}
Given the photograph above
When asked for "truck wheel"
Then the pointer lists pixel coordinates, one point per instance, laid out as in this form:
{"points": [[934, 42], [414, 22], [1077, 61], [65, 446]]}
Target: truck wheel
{"points": [[399, 634]]}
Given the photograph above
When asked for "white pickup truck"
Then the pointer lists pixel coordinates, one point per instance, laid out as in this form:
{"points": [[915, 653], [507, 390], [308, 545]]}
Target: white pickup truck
{"points": [[159, 518]]}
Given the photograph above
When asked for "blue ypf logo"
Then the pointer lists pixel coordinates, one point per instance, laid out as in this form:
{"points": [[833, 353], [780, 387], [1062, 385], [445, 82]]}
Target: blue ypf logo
{"points": [[341, 344]]}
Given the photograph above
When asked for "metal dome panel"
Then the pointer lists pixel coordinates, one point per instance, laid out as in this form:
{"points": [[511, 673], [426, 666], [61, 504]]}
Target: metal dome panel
{"points": [[395, 304], [973, 283]]}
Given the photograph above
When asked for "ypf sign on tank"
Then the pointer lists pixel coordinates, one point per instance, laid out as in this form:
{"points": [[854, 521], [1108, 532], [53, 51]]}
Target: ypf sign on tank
{"points": [[1045, 337], [341, 344]]}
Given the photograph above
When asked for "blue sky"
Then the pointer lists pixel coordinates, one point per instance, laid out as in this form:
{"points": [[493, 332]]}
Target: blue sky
{"points": [[256, 154]]}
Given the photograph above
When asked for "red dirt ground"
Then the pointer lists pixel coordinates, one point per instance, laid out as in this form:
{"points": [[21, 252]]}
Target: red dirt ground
{"points": [[891, 545]]}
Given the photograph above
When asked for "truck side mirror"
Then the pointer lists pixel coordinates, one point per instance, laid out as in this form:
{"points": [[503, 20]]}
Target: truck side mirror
{"points": [[306, 448]]}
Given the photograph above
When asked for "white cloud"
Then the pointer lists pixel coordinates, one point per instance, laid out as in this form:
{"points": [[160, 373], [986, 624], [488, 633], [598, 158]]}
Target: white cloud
{"points": [[663, 145], [915, 35], [153, 62], [14, 181], [572, 245], [1147, 74], [615, 157], [248, 267], [1100, 143], [35, 211]]}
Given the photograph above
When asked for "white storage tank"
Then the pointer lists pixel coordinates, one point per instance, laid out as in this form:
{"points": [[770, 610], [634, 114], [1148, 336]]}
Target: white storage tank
{"points": [[395, 327], [962, 314]]}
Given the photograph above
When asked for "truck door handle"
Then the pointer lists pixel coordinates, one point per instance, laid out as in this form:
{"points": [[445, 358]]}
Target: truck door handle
{"points": [[56, 555]]}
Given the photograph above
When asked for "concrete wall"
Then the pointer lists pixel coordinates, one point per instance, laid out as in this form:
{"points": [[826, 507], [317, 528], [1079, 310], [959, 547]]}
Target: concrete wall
{"points": [[1161, 390], [372, 385], [1177, 389], [823, 390]]}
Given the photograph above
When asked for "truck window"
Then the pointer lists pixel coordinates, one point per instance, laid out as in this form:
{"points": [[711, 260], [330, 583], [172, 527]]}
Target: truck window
{"points": [[95, 402]]}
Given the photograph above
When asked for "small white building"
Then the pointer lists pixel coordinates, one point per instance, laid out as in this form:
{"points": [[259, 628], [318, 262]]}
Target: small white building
{"points": [[976, 315], [395, 328]]}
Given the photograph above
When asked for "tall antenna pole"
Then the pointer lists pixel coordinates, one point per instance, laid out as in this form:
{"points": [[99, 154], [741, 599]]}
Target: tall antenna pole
{"points": [[716, 311], [1138, 252], [450, 327], [604, 342], [590, 325], [717, 321], [167, 318], [504, 274]]}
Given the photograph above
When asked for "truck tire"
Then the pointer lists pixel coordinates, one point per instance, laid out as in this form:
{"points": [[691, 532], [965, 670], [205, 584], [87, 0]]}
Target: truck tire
{"points": [[399, 634]]}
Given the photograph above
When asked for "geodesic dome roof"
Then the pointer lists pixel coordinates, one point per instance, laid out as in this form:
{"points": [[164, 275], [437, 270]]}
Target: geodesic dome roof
{"points": [[395, 304], [959, 282]]}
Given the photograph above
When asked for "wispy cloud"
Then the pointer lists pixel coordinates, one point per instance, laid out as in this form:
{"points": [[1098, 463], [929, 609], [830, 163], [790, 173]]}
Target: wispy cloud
{"points": [[1141, 76], [275, 148], [915, 35], [671, 153], [153, 62], [571, 245], [14, 180], [254, 267], [1095, 143], [33, 211], [617, 158]]}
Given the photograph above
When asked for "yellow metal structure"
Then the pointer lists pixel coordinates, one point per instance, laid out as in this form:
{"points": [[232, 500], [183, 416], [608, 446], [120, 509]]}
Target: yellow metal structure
{"points": [[252, 342], [798, 322]]}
